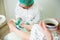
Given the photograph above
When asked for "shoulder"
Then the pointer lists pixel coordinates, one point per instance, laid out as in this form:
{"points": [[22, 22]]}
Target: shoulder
{"points": [[18, 8], [38, 4]]}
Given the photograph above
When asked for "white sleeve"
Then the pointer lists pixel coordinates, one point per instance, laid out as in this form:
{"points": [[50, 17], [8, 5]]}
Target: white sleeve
{"points": [[36, 33], [36, 19], [38, 16], [17, 11]]}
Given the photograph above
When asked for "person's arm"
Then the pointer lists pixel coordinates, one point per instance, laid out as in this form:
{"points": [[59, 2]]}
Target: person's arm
{"points": [[36, 19], [23, 35], [28, 27], [46, 32]]}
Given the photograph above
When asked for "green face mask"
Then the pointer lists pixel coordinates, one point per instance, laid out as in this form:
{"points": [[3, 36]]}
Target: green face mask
{"points": [[26, 2]]}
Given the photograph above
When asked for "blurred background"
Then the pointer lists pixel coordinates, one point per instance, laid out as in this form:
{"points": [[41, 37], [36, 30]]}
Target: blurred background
{"points": [[49, 9]]}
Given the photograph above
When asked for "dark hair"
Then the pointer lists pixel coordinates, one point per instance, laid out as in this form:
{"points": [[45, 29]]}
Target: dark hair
{"points": [[58, 28]]}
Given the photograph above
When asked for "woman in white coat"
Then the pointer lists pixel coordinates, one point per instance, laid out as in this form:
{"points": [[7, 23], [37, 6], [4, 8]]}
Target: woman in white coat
{"points": [[28, 10]]}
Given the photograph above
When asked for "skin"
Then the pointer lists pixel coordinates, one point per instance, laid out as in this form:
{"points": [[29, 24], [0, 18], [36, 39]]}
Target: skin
{"points": [[24, 6], [26, 34], [18, 32], [58, 29], [28, 27], [45, 31]]}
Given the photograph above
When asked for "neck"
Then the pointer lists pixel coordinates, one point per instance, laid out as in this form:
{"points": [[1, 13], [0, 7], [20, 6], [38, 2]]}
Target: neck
{"points": [[25, 7]]}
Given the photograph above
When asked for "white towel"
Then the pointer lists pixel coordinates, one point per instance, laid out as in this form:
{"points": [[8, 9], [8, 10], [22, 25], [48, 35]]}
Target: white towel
{"points": [[37, 34], [12, 36]]}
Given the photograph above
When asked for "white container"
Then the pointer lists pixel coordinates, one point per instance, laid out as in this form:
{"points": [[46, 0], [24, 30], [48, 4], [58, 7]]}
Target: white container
{"points": [[2, 20], [51, 23]]}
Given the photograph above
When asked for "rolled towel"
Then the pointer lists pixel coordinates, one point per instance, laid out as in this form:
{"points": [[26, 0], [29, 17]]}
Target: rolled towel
{"points": [[37, 34], [12, 36], [2, 19]]}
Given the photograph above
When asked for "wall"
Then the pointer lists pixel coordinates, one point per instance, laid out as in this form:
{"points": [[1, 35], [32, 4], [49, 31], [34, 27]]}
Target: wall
{"points": [[2, 9], [51, 8], [10, 8]]}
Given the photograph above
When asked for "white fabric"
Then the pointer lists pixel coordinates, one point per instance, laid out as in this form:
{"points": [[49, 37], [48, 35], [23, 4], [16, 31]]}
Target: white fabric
{"points": [[37, 34], [2, 19], [12, 36], [32, 15], [56, 36]]}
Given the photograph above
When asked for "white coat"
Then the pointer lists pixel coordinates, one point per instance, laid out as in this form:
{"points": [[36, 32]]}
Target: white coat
{"points": [[32, 15]]}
